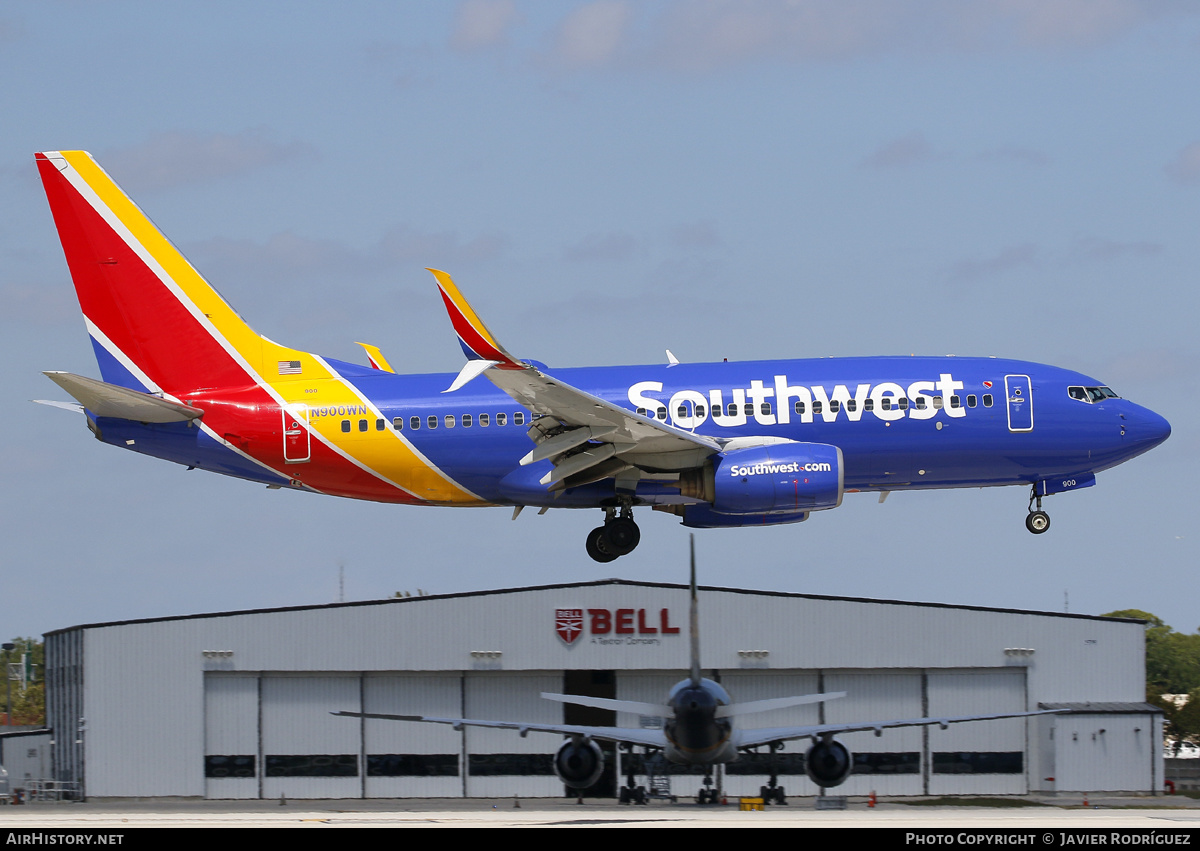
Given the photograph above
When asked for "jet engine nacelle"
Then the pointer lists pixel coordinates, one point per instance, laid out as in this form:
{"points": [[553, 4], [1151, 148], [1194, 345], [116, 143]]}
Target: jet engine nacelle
{"points": [[781, 478], [579, 764], [828, 763]]}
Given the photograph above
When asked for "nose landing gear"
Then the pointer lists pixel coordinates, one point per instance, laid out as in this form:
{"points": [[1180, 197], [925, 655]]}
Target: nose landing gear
{"points": [[617, 537], [1038, 521]]}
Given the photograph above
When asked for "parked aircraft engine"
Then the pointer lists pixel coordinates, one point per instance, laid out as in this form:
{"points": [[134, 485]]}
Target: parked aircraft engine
{"points": [[828, 763], [579, 764], [790, 478]]}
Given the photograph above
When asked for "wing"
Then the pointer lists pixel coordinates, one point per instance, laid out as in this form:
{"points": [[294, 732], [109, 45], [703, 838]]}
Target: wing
{"points": [[651, 738], [585, 437], [750, 738]]}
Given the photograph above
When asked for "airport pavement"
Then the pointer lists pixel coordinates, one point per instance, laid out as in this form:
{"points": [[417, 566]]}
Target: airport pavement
{"points": [[1107, 813]]}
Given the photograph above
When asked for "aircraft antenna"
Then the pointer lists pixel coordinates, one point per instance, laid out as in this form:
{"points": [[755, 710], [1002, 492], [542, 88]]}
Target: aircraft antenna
{"points": [[694, 618]]}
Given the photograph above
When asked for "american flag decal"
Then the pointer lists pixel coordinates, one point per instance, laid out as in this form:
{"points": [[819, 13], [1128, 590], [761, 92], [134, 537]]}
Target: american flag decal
{"points": [[289, 367]]}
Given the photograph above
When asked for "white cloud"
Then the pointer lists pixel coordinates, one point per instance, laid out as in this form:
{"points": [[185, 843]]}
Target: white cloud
{"points": [[1012, 257], [603, 246], [175, 158], [483, 23], [707, 34], [909, 150], [592, 34], [1185, 168]]}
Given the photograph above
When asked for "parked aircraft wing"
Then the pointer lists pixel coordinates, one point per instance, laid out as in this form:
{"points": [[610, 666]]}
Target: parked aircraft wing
{"points": [[750, 738], [619, 439], [650, 738]]}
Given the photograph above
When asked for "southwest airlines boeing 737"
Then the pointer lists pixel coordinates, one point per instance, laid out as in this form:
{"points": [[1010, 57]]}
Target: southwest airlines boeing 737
{"points": [[720, 444]]}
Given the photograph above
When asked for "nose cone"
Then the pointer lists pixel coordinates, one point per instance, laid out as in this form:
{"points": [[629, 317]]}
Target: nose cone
{"points": [[1145, 429]]}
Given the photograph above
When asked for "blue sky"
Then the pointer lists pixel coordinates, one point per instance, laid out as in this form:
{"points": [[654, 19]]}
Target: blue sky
{"points": [[606, 180]]}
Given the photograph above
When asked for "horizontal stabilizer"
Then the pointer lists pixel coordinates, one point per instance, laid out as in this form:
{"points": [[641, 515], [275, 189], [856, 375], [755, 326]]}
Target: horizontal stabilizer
{"points": [[109, 400], [655, 710], [753, 706], [66, 406]]}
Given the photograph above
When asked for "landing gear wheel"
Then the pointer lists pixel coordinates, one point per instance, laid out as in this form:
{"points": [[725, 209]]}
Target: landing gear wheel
{"points": [[621, 535], [1037, 522], [596, 546]]}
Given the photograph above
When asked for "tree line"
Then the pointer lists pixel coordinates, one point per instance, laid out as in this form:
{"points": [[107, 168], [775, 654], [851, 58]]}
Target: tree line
{"points": [[1172, 668]]}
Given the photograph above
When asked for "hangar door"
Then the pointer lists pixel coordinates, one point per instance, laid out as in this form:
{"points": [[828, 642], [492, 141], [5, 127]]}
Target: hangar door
{"points": [[271, 735], [980, 757]]}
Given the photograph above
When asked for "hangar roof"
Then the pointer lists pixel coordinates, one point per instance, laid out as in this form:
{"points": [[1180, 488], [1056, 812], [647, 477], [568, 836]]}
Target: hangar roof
{"points": [[391, 601]]}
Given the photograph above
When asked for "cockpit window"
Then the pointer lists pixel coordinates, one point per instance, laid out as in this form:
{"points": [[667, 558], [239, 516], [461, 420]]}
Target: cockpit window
{"points": [[1091, 395]]}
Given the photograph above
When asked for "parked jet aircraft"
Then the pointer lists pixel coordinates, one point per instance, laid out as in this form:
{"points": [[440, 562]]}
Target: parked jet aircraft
{"points": [[698, 728], [716, 444]]}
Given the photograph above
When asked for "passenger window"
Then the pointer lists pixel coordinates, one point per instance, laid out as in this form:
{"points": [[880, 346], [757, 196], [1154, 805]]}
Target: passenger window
{"points": [[346, 425], [749, 408], [414, 423], [466, 420], [501, 419], [699, 410], [641, 412], [885, 404], [869, 405], [380, 425], [398, 423], [903, 402], [799, 406], [972, 400], [681, 411], [732, 409], [852, 405], [955, 401], [938, 403], [432, 420], [662, 413], [987, 400], [817, 407], [765, 407], [835, 405], [919, 403], [484, 420], [450, 420], [519, 418]]}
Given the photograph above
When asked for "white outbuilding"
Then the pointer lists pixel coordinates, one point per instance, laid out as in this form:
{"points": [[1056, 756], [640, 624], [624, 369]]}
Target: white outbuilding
{"points": [[238, 704]]}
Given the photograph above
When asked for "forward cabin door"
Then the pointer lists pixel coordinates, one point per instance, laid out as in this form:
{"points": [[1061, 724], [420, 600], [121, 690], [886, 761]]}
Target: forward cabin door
{"points": [[1018, 390]]}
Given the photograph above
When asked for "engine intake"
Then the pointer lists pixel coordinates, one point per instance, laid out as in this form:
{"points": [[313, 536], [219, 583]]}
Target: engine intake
{"points": [[828, 763], [579, 764]]}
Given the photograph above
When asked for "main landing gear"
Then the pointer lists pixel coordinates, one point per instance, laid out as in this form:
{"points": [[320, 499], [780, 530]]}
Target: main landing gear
{"points": [[707, 794], [618, 536], [1038, 521]]}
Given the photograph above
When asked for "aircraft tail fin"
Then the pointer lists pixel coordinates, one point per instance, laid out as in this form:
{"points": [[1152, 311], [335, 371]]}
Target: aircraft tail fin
{"points": [[156, 324]]}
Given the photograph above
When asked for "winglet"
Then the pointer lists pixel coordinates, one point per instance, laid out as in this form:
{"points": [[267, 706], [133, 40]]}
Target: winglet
{"points": [[378, 361], [476, 340]]}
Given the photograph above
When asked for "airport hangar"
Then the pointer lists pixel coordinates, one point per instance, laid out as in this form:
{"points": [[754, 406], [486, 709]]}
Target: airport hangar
{"points": [[237, 704]]}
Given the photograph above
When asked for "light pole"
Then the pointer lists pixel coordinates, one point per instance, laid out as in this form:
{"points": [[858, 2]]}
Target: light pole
{"points": [[8, 648]]}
